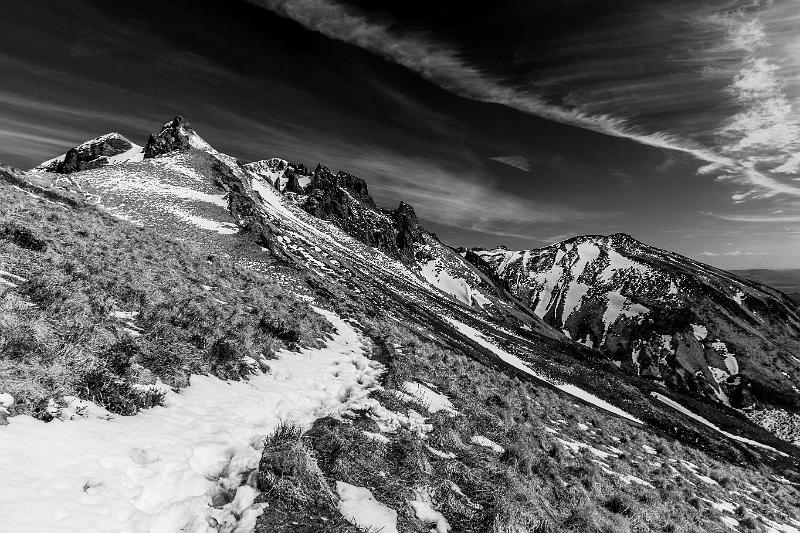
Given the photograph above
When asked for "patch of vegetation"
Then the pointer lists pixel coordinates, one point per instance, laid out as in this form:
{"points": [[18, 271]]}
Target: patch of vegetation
{"points": [[107, 308], [299, 497]]}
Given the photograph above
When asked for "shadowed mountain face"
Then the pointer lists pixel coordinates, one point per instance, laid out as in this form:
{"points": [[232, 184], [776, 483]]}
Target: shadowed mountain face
{"points": [[668, 329], [787, 281]]}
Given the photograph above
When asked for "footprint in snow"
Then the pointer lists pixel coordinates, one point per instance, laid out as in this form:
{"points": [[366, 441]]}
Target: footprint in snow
{"points": [[141, 457]]}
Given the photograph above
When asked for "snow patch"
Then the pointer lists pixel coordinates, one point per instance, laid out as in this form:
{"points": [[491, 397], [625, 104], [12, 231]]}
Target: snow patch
{"points": [[160, 470], [678, 407], [432, 400], [359, 507], [739, 297], [480, 440], [223, 228], [436, 273], [700, 332], [6, 400], [425, 512]]}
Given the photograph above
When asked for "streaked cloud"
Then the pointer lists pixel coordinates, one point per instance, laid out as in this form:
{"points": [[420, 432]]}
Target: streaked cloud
{"points": [[516, 161], [456, 198], [444, 66], [766, 123], [732, 253], [775, 218]]}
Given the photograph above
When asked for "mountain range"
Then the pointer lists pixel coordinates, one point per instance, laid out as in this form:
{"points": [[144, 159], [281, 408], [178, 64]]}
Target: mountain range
{"points": [[648, 337], [667, 322]]}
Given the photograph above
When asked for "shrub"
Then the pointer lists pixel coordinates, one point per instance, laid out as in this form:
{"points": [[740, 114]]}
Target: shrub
{"points": [[620, 504], [23, 237]]}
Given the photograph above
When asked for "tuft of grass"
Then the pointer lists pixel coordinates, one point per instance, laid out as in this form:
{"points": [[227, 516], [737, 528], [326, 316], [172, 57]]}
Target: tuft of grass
{"points": [[299, 496]]}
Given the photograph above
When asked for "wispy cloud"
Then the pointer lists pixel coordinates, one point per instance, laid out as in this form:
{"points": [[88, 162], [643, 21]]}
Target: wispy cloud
{"points": [[516, 161], [776, 218], [458, 199], [764, 136], [767, 120], [445, 66], [732, 253]]}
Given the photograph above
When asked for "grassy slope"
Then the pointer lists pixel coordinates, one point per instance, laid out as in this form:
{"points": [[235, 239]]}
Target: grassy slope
{"points": [[203, 314], [538, 484], [196, 313]]}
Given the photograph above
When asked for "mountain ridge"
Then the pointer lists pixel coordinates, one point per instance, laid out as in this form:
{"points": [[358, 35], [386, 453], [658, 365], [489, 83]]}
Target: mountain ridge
{"points": [[484, 410], [226, 201]]}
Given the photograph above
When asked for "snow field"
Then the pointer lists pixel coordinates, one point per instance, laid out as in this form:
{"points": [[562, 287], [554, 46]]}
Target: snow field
{"points": [[189, 466]]}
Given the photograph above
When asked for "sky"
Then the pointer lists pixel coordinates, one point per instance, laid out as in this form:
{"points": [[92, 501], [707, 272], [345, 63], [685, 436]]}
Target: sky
{"points": [[519, 123]]}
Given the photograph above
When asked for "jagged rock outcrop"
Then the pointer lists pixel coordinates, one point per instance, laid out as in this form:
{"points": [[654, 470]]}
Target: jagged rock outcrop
{"points": [[409, 230], [176, 135], [344, 200], [292, 183], [98, 152], [284, 175]]}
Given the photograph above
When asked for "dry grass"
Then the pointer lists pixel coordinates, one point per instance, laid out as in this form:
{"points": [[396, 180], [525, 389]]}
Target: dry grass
{"points": [[195, 313]]}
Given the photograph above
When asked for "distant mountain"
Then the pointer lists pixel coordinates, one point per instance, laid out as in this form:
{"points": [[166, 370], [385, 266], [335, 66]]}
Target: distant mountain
{"points": [[787, 280], [699, 330]]}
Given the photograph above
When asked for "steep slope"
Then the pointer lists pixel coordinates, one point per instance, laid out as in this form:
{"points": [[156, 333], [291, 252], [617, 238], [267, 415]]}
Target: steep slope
{"points": [[331, 241], [699, 330]]}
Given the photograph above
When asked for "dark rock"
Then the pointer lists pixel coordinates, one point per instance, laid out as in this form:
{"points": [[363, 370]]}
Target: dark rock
{"points": [[174, 136], [344, 200], [292, 183], [409, 231], [354, 185], [91, 154], [366, 424]]}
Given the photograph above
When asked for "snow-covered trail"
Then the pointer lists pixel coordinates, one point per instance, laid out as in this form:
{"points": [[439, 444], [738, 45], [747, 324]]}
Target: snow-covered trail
{"points": [[173, 468]]}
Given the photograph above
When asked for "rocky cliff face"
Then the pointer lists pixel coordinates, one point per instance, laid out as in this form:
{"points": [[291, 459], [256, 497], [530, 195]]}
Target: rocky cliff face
{"points": [[344, 200], [284, 175], [175, 136], [656, 314]]}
